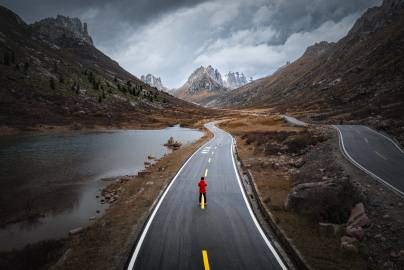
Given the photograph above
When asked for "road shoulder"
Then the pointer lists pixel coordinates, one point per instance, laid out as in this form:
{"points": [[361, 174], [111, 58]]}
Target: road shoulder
{"points": [[108, 242], [310, 156]]}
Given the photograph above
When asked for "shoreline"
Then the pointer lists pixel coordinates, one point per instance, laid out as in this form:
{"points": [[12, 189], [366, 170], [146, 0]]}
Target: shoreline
{"points": [[136, 194]]}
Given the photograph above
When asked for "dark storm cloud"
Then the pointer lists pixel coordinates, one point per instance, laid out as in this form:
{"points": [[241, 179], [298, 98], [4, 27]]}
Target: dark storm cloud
{"points": [[106, 18], [171, 38], [130, 10]]}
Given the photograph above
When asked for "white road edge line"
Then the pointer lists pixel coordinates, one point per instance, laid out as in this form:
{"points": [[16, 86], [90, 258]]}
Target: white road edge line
{"points": [[341, 140], [145, 230], [390, 139], [271, 248]]}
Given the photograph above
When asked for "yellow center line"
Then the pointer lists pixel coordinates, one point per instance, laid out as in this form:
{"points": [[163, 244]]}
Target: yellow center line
{"points": [[203, 202], [205, 260], [206, 172]]}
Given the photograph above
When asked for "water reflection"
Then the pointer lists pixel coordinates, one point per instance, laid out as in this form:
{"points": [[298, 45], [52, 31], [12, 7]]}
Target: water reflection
{"points": [[54, 179]]}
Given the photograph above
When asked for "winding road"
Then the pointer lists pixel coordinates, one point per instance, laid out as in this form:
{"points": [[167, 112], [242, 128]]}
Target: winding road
{"points": [[374, 153], [224, 235]]}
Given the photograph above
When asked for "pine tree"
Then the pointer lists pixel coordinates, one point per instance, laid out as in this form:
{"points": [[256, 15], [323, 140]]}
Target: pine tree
{"points": [[52, 83], [6, 59], [61, 79], [12, 57], [26, 67]]}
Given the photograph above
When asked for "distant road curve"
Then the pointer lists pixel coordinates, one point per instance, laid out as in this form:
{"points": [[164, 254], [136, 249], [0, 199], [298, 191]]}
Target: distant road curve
{"points": [[294, 121], [374, 153]]}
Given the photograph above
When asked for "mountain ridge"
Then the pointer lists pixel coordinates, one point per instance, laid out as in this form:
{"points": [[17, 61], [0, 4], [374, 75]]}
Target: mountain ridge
{"points": [[60, 79], [206, 83], [355, 80]]}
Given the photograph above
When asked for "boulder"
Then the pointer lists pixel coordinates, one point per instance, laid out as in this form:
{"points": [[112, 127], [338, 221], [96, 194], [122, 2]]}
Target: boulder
{"points": [[326, 201], [358, 216], [355, 231], [349, 244]]}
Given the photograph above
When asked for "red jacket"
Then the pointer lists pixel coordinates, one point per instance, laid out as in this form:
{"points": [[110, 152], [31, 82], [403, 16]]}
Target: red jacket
{"points": [[202, 186]]}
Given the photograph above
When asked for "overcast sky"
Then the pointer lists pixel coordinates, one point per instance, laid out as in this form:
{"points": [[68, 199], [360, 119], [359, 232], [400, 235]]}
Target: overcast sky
{"points": [[170, 38]]}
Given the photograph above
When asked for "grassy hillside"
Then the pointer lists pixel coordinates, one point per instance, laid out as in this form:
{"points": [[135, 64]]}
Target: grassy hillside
{"points": [[70, 82]]}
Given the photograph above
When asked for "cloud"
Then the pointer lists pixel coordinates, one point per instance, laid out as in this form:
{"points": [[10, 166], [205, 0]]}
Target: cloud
{"points": [[263, 59], [172, 38]]}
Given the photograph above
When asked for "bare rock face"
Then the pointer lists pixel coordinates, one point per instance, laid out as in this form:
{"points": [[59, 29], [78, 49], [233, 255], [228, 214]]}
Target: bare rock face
{"points": [[235, 80], [326, 201], [153, 81], [61, 27]]}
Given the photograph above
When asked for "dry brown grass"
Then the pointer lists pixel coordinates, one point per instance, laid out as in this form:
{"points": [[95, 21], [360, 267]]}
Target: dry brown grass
{"points": [[261, 124], [321, 251], [107, 242]]}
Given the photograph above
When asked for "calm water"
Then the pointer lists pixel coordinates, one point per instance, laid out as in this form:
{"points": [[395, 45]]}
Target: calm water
{"points": [[61, 175]]}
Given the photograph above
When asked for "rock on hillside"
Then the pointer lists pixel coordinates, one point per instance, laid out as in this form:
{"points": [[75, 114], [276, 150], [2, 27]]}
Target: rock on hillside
{"points": [[61, 27]]}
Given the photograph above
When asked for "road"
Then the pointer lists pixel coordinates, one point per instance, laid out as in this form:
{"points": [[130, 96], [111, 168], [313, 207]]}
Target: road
{"points": [[178, 230], [374, 153], [293, 121]]}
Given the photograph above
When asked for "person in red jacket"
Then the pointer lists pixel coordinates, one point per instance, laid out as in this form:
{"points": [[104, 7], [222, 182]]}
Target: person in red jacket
{"points": [[202, 189]]}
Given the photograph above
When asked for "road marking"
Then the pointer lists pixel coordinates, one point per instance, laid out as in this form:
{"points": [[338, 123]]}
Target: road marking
{"points": [[380, 155], [146, 229], [366, 140], [388, 138], [206, 172], [209, 160], [269, 245], [205, 260], [345, 152], [203, 202], [212, 153]]}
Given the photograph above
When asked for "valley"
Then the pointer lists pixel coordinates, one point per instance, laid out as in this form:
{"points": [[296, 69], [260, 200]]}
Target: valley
{"points": [[299, 168]]}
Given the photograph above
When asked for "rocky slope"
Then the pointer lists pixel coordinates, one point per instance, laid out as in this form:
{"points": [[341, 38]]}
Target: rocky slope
{"points": [[359, 79], [206, 83], [235, 80], [51, 74], [153, 81]]}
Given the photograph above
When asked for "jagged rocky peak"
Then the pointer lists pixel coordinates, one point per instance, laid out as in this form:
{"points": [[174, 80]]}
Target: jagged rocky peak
{"points": [[205, 78], [153, 81], [318, 48], [235, 80], [62, 27], [209, 78]]}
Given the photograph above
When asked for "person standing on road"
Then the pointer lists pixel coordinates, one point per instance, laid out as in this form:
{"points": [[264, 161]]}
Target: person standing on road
{"points": [[202, 189]]}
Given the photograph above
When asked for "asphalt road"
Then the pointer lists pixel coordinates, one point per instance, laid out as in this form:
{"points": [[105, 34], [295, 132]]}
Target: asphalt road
{"points": [[374, 153], [179, 230]]}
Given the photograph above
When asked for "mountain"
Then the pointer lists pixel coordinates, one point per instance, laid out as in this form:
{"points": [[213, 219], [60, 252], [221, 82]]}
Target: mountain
{"points": [[61, 27], [235, 80], [154, 82], [52, 75], [359, 79], [205, 84]]}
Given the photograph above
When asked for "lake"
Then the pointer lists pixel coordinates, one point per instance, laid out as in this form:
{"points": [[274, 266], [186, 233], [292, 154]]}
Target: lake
{"points": [[54, 179]]}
